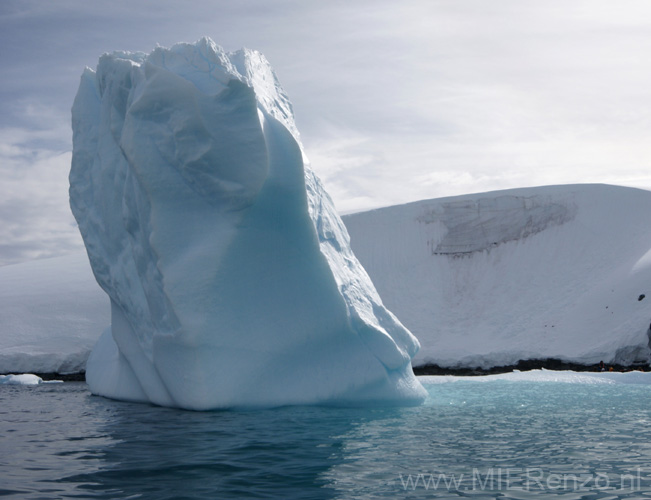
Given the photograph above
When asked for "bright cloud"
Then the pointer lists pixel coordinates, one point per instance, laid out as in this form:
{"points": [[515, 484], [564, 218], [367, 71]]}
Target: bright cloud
{"points": [[395, 101]]}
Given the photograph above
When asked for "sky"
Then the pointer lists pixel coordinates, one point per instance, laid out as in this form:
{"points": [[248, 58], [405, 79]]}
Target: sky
{"points": [[395, 101]]}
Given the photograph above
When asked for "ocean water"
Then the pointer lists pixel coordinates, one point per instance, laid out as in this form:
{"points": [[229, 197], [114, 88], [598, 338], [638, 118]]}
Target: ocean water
{"points": [[474, 438]]}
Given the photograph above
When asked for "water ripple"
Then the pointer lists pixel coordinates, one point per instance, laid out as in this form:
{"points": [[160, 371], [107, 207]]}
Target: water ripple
{"points": [[508, 440]]}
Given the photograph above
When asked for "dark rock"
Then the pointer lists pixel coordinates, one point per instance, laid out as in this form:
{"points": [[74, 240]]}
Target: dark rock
{"points": [[66, 377], [523, 365]]}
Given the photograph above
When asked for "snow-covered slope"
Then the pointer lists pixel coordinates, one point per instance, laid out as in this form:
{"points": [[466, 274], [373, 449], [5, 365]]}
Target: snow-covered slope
{"points": [[229, 272], [568, 290], [489, 279], [51, 315]]}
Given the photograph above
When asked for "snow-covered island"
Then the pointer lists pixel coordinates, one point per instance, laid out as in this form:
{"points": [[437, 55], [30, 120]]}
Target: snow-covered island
{"points": [[489, 279]]}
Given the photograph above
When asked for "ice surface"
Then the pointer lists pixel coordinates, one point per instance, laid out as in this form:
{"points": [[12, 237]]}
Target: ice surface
{"points": [[229, 272], [489, 279]]}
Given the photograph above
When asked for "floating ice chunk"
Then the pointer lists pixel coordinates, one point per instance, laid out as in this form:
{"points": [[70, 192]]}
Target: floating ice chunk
{"points": [[230, 275], [24, 379]]}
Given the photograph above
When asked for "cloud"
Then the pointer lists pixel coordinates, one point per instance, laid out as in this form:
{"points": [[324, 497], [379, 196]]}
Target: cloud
{"points": [[35, 220], [496, 95], [395, 101]]}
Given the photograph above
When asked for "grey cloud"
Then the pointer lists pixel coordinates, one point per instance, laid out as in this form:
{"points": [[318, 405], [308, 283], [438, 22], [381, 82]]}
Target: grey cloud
{"points": [[439, 97]]}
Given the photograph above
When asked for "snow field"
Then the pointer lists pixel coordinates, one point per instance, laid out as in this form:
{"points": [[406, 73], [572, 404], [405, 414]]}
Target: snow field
{"points": [[489, 279]]}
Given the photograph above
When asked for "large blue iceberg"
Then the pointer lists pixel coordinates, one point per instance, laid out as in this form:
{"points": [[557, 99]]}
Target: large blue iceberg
{"points": [[230, 275]]}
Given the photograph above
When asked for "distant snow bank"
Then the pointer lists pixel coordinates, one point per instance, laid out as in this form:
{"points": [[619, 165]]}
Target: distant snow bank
{"points": [[51, 314], [569, 377], [489, 279]]}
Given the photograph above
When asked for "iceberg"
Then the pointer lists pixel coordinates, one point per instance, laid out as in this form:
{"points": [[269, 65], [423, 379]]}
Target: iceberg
{"points": [[230, 275]]}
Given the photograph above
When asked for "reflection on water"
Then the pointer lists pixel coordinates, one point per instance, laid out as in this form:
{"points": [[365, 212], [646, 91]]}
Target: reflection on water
{"points": [[504, 439], [166, 453], [64, 442]]}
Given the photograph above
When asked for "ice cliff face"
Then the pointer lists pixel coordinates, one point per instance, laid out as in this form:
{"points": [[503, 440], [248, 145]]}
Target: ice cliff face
{"points": [[230, 276]]}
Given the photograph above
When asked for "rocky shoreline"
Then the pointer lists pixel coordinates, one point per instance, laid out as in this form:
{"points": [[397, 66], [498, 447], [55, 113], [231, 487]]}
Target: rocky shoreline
{"points": [[526, 365], [65, 377], [433, 369]]}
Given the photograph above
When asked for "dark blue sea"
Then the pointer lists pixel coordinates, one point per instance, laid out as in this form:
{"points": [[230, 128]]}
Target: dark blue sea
{"points": [[503, 439]]}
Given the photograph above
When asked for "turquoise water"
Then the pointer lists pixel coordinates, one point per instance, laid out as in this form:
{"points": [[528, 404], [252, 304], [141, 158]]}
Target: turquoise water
{"points": [[499, 439]]}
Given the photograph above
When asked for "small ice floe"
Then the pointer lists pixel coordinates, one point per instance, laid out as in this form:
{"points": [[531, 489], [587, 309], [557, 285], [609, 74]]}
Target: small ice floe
{"points": [[25, 379]]}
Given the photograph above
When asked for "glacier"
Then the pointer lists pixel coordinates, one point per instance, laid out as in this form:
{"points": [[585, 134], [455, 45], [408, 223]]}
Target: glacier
{"points": [[486, 280], [230, 275]]}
